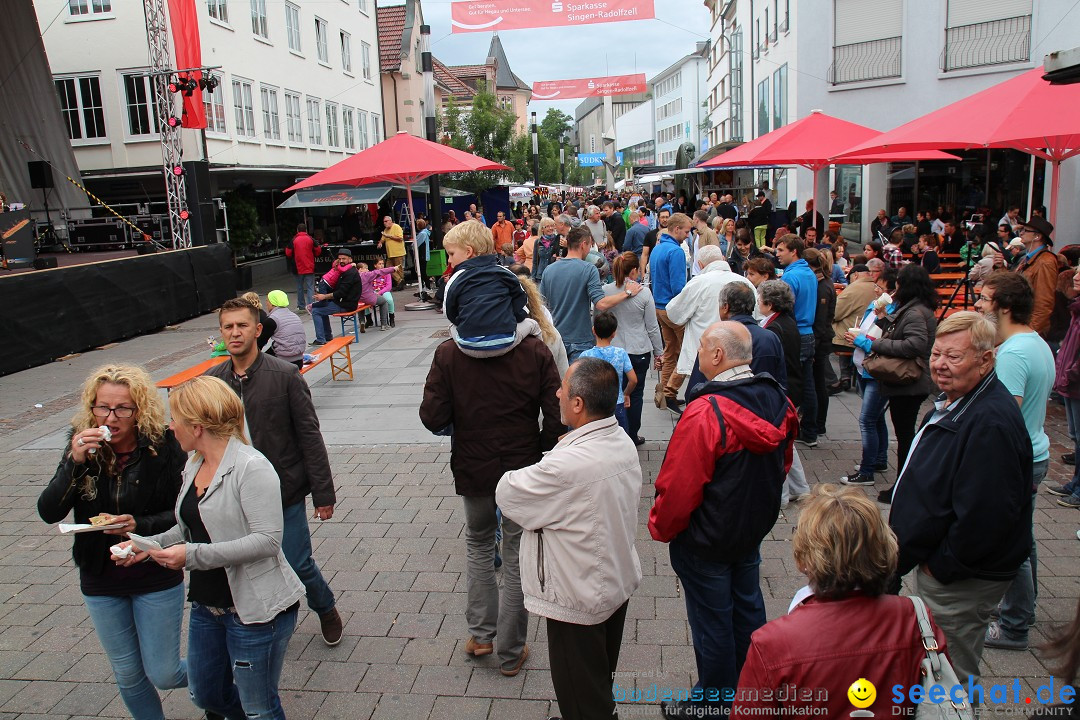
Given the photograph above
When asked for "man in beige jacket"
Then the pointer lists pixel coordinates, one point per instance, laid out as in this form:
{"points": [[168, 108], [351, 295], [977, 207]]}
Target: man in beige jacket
{"points": [[578, 507]]}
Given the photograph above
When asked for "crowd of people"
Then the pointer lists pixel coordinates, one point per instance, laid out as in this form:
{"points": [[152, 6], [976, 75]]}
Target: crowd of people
{"points": [[540, 387]]}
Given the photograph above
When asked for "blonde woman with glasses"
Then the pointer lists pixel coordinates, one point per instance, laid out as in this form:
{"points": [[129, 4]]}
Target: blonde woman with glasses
{"points": [[122, 470]]}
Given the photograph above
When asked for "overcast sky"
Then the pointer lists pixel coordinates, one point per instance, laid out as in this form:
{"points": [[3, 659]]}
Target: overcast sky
{"points": [[622, 48]]}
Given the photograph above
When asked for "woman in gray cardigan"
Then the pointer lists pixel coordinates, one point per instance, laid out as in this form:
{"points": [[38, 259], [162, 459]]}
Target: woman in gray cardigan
{"points": [[244, 596]]}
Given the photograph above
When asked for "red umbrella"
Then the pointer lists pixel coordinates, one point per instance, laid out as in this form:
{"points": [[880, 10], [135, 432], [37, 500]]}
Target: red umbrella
{"points": [[813, 142], [401, 159], [1024, 113]]}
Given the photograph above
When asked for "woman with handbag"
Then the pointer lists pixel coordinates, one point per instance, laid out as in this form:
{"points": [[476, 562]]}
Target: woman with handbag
{"points": [[843, 627], [900, 358]]}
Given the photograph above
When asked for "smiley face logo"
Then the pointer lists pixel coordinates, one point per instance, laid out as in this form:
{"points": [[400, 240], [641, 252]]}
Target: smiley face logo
{"points": [[862, 693]]}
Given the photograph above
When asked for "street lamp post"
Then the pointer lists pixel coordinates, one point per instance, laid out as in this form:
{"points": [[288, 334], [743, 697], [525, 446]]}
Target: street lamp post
{"points": [[536, 156], [562, 163]]}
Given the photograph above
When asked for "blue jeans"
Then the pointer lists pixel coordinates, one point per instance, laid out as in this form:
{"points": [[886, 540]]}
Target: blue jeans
{"points": [[1072, 412], [573, 350], [620, 417], [1018, 604], [305, 290], [141, 637], [809, 410], [641, 365], [872, 426], [320, 317], [296, 546], [235, 668], [723, 606]]}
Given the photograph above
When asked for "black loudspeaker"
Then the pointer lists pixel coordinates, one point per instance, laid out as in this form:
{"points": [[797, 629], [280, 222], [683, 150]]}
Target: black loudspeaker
{"points": [[44, 263], [200, 203], [40, 174], [145, 248]]}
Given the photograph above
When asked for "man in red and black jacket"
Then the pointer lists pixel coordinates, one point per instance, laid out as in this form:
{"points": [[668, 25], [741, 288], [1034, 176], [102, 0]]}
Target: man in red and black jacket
{"points": [[303, 250], [717, 497]]}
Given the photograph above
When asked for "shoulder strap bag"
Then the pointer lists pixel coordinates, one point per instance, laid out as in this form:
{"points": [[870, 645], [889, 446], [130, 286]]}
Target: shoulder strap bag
{"points": [[894, 370], [936, 670]]}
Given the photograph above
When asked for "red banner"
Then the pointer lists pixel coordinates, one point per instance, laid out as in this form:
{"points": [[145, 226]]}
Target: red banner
{"points": [[185, 31], [589, 87], [487, 15]]}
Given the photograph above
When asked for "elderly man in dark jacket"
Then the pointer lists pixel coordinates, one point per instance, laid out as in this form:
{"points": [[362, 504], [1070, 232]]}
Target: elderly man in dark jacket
{"points": [[969, 470], [491, 406]]}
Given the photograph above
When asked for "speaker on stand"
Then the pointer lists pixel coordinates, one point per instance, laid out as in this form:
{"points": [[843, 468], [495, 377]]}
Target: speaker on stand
{"points": [[41, 177]]}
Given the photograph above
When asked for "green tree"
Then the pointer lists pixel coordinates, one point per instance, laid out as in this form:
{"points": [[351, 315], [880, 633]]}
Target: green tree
{"points": [[487, 130], [556, 125]]}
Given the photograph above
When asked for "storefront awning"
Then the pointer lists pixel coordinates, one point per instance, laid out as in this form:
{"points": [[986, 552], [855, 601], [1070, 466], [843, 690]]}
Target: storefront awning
{"points": [[331, 197]]}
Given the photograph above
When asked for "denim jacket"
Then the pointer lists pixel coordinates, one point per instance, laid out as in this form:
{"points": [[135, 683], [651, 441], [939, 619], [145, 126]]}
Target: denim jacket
{"points": [[241, 510]]}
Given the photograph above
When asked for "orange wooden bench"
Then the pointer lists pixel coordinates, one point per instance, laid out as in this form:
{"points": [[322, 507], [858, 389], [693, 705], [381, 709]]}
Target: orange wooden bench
{"points": [[192, 372], [337, 351]]}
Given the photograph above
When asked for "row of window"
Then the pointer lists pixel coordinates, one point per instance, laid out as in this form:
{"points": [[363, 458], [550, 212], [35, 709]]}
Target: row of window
{"points": [[670, 133], [669, 109], [668, 85], [345, 127]]}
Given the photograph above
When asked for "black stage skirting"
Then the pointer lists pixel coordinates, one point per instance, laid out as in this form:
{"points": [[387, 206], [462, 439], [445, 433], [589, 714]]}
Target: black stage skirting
{"points": [[52, 313]]}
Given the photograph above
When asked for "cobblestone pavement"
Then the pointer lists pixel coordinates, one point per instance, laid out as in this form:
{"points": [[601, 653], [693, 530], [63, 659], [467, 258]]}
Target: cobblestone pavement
{"points": [[394, 554]]}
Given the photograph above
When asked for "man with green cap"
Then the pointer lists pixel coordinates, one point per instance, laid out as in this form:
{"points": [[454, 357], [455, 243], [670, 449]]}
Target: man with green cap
{"points": [[289, 338]]}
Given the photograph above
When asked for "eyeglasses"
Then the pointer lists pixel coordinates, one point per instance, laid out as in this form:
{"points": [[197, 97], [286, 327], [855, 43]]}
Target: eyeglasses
{"points": [[1027, 231], [103, 411]]}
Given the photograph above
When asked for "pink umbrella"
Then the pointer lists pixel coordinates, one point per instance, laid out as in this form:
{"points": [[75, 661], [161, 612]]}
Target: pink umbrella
{"points": [[402, 159], [813, 142], [1024, 113]]}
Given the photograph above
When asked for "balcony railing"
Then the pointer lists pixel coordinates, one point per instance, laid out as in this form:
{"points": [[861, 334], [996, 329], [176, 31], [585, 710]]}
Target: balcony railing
{"points": [[872, 60], [987, 43]]}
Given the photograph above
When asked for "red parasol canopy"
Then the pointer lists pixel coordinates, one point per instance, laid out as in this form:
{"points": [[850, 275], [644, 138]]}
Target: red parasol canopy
{"points": [[402, 159], [1024, 113], [813, 142]]}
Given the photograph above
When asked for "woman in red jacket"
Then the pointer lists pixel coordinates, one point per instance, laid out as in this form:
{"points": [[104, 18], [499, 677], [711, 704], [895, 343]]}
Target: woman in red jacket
{"points": [[843, 627]]}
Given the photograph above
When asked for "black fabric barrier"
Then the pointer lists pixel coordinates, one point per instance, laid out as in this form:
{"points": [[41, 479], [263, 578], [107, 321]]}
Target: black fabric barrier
{"points": [[53, 313]]}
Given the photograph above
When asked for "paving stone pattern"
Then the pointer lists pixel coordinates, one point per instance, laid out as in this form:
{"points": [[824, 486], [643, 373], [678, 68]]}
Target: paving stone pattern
{"points": [[393, 553]]}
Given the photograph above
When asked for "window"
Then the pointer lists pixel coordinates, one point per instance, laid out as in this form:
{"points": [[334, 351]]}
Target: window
{"points": [[258, 18], [361, 127], [376, 129], [670, 133], [332, 138], [986, 33], [139, 102], [763, 107], [868, 42], [292, 26], [348, 127], [82, 8], [779, 105], [243, 107], [365, 58], [271, 122], [214, 106], [320, 41], [363, 6], [219, 9], [80, 106], [314, 121], [292, 118], [346, 52]]}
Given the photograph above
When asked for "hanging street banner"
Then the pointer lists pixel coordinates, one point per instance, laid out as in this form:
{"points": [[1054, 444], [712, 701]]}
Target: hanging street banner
{"points": [[589, 87], [487, 15], [596, 159]]}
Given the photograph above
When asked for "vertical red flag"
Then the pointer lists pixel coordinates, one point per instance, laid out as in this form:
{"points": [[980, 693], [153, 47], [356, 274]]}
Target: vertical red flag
{"points": [[185, 29]]}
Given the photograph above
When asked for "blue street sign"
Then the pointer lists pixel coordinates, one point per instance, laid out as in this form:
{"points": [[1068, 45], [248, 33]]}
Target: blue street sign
{"points": [[596, 159]]}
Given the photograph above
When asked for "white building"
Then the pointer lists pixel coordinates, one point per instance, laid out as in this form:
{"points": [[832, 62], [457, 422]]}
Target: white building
{"points": [[635, 132], [678, 95], [299, 90], [881, 63]]}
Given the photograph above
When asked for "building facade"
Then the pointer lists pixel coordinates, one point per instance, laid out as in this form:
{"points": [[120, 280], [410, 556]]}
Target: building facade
{"points": [[881, 63], [678, 96], [298, 91]]}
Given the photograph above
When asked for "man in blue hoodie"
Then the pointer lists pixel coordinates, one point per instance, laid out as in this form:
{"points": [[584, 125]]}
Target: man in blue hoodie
{"points": [[803, 283], [667, 268]]}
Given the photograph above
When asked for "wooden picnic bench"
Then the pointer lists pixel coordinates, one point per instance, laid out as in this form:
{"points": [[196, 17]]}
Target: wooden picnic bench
{"points": [[354, 315], [337, 351]]}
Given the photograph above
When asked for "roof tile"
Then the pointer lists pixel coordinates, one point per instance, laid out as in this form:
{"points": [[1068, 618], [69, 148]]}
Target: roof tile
{"points": [[391, 24]]}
